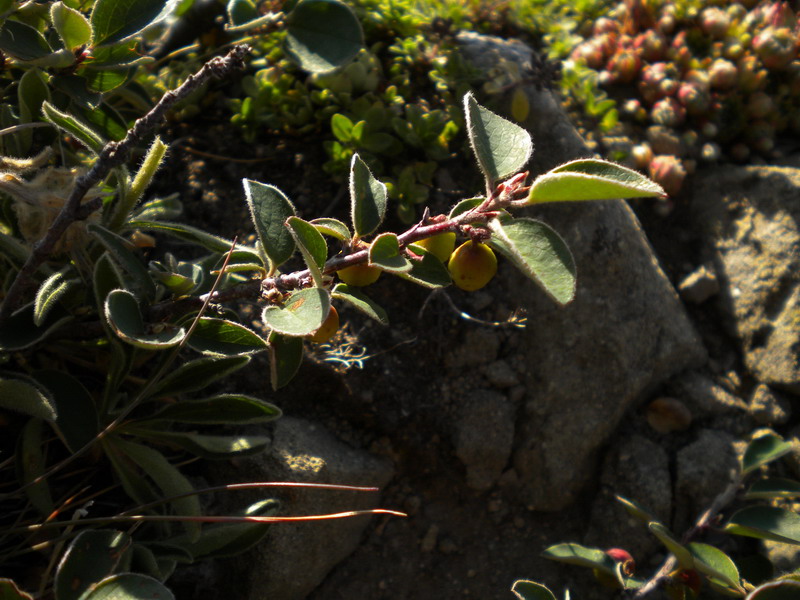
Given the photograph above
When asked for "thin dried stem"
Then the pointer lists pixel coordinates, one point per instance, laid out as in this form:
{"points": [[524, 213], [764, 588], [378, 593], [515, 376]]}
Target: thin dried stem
{"points": [[112, 155]]}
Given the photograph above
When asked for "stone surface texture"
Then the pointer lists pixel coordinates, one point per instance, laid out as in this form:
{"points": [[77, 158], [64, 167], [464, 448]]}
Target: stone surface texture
{"points": [[294, 558], [626, 331], [751, 220]]}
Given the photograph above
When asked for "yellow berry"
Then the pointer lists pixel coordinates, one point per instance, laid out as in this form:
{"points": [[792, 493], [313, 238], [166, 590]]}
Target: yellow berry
{"points": [[328, 328], [359, 275], [472, 266], [441, 245]]}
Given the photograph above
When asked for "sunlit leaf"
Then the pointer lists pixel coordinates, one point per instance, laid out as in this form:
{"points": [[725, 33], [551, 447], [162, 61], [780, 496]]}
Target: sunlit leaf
{"points": [[715, 563], [592, 179], [528, 590], [666, 537], [501, 147], [123, 315], [114, 20], [322, 35], [773, 487], [367, 198], [539, 252], [384, 252], [762, 450], [766, 523], [90, 557], [225, 409], [358, 299], [220, 336], [194, 375], [333, 228], [128, 586], [72, 27], [302, 313], [269, 209]]}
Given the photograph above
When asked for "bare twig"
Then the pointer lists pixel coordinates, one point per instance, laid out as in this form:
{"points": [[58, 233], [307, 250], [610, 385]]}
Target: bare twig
{"points": [[112, 155]]}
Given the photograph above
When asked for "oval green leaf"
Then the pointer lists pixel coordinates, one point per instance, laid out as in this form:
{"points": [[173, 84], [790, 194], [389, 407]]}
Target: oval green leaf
{"points": [[302, 313], [114, 20], [785, 589], [384, 252], [529, 590], [72, 27], [762, 450], [367, 198], [168, 479], [465, 205], [716, 564], [23, 41], [220, 336], [129, 586], [359, 300], [211, 447], [10, 591], [73, 127], [77, 422], [773, 487], [540, 253], [20, 332], [311, 245], [123, 315], [26, 397], [225, 409], [636, 510], [766, 523], [121, 251], [664, 535], [333, 228], [429, 272], [575, 554], [501, 147], [322, 35], [196, 374], [269, 209], [592, 179], [92, 556], [286, 356], [32, 464]]}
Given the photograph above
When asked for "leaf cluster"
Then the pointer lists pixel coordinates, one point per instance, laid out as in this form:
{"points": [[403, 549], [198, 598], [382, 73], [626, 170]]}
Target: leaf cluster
{"points": [[694, 566]]}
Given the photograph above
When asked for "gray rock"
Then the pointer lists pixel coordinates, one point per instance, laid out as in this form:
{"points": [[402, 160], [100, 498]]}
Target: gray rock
{"points": [[768, 407], [704, 469], [483, 436], [479, 347], [699, 286], [750, 216], [637, 469], [706, 398], [625, 332], [294, 558], [501, 375]]}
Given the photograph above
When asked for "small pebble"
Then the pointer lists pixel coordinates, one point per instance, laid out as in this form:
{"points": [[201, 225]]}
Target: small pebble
{"points": [[666, 415], [699, 286]]}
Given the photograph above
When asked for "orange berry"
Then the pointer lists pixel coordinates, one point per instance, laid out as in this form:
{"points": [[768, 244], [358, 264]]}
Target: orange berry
{"points": [[359, 275], [472, 266], [328, 328]]}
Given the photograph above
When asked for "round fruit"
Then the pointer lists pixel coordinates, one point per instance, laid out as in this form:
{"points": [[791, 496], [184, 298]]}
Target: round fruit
{"points": [[328, 328], [441, 245], [472, 266], [359, 275]]}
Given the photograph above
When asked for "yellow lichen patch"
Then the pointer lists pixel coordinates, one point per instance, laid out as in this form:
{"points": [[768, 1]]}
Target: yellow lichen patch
{"points": [[303, 462]]}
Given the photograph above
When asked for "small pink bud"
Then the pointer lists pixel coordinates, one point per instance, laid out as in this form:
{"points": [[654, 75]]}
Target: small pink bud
{"points": [[642, 155], [668, 172], [619, 555]]}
